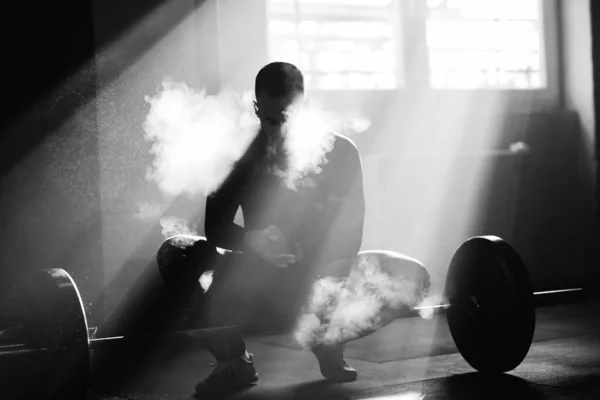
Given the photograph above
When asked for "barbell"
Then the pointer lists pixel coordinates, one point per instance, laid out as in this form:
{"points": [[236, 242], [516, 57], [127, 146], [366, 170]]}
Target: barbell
{"points": [[491, 304], [490, 313], [56, 335]]}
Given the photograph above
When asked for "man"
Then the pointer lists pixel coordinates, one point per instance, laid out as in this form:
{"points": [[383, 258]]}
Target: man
{"points": [[288, 233]]}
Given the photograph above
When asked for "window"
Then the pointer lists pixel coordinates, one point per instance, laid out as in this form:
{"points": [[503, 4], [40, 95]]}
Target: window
{"points": [[466, 44], [338, 44], [485, 44]]}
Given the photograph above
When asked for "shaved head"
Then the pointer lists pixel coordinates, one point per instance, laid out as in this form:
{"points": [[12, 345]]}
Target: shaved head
{"points": [[279, 79], [278, 85]]}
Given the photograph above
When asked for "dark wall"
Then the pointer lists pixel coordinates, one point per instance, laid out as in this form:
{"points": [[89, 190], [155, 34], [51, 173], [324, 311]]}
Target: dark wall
{"points": [[578, 96], [45, 44], [49, 194], [75, 76], [595, 27]]}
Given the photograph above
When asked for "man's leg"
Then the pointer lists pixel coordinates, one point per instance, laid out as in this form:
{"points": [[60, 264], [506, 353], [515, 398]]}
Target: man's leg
{"points": [[182, 260], [225, 306], [379, 284], [313, 324], [166, 287], [221, 308]]}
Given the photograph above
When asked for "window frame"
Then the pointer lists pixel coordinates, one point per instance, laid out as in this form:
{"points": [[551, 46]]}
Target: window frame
{"points": [[413, 69]]}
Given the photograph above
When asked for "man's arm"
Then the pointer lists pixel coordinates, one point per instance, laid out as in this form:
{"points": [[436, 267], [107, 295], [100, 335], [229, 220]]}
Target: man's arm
{"points": [[221, 207], [346, 231], [340, 235]]}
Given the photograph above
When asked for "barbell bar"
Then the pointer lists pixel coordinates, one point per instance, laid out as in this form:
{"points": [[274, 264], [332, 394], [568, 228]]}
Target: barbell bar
{"points": [[570, 295], [490, 301]]}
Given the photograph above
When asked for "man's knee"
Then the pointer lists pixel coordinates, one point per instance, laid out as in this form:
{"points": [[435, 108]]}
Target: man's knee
{"points": [[400, 264], [337, 269], [184, 257], [412, 269], [396, 264]]}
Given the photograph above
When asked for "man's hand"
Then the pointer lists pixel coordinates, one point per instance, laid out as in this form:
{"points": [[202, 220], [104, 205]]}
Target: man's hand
{"points": [[280, 260], [270, 245]]}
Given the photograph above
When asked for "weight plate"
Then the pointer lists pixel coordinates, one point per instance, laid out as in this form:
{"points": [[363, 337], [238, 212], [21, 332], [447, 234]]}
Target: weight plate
{"points": [[57, 322], [493, 321]]}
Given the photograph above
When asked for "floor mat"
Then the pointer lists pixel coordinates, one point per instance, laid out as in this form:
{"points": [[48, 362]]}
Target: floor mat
{"points": [[407, 338]]}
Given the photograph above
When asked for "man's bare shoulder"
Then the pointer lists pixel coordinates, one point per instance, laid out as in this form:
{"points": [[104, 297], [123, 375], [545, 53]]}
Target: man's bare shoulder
{"points": [[343, 147]]}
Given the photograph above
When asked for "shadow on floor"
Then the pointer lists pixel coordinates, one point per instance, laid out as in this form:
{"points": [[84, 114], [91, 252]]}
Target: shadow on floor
{"points": [[459, 387], [563, 368], [481, 386]]}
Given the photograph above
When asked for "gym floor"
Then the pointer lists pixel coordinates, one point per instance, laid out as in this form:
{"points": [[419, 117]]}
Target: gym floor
{"points": [[409, 359]]}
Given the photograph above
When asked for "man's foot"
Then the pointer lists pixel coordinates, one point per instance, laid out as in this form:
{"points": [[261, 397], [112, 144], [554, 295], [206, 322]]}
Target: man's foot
{"points": [[332, 363], [229, 376]]}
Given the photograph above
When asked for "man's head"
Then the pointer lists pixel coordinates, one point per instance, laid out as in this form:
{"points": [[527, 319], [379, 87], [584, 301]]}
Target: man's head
{"points": [[278, 85]]}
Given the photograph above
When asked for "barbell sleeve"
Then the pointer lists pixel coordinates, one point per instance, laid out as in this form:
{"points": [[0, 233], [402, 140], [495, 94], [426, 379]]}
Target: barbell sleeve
{"points": [[23, 348], [546, 298], [114, 341], [551, 298], [19, 349]]}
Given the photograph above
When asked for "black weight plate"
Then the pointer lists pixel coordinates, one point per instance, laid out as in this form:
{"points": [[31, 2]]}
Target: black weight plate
{"points": [[57, 322], [496, 336]]}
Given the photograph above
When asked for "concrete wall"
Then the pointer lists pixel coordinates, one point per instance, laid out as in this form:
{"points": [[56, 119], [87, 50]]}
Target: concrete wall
{"points": [[173, 40], [578, 95], [427, 205], [578, 82], [189, 41]]}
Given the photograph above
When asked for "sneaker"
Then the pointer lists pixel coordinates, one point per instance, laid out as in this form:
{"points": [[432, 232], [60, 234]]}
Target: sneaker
{"points": [[332, 363], [229, 376]]}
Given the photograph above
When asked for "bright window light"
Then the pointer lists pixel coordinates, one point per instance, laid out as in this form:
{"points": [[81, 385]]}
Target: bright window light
{"points": [[338, 44], [475, 44]]}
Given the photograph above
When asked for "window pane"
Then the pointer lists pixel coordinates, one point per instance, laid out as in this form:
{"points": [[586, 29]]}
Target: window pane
{"points": [[485, 44], [486, 9], [483, 35], [339, 44]]}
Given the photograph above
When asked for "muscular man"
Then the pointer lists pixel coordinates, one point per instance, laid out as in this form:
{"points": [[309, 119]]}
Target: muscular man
{"points": [[290, 235], [321, 220]]}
